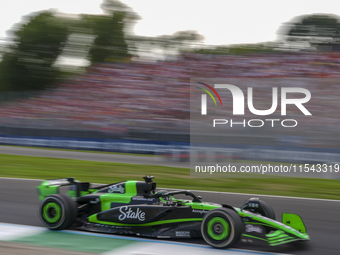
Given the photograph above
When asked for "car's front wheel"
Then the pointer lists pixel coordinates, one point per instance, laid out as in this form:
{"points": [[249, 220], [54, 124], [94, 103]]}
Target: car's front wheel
{"points": [[222, 228], [258, 206], [57, 212]]}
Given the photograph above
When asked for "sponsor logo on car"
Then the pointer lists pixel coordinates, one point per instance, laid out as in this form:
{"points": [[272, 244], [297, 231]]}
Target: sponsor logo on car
{"points": [[182, 233], [142, 199], [128, 213], [252, 228], [116, 189], [253, 205], [199, 211], [96, 201]]}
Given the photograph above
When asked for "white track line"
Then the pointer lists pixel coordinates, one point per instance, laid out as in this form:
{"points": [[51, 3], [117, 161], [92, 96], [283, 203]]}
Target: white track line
{"points": [[169, 249], [10, 232], [214, 192], [144, 246]]}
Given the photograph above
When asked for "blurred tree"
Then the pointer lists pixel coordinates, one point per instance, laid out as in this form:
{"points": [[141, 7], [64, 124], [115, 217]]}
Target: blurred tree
{"points": [[180, 39], [28, 63], [176, 42], [111, 6], [109, 31], [317, 30], [109, 42], [80, 38]]}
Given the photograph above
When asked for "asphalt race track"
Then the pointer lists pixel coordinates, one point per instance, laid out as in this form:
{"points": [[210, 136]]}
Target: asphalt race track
{"points": [[19, 203]]}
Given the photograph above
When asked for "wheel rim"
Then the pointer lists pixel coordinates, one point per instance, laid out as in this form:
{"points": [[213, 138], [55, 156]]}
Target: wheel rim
{"points": [[51, 212], [218, 228]]}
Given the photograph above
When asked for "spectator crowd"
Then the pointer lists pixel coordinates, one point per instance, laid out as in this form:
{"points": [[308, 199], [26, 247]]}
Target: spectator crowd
{"points": [[117, 97]]}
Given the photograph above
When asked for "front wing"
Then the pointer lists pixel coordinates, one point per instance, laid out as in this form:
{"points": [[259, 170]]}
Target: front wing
{"points": [[260, 228]]}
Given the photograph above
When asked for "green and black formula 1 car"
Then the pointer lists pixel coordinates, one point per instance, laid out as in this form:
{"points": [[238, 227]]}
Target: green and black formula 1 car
{"points": [[136, 208]]}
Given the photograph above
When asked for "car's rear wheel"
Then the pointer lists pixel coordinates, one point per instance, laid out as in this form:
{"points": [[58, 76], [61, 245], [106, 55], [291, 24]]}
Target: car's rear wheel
{"points": [[57, 212], [222, 228]]}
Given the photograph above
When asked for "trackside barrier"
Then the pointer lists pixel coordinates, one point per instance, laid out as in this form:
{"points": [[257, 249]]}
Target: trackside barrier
{"points": [[181, 151], [308, 155], [104, 145], [199, 155]]}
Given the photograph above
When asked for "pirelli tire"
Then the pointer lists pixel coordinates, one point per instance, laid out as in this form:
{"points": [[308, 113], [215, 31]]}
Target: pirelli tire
{"points": [[263, 208], [57, 212], [269, 211], [222, 228]]}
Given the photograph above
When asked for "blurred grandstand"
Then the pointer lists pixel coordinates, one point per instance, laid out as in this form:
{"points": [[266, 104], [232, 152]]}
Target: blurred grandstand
{"points": [[150, 100]]}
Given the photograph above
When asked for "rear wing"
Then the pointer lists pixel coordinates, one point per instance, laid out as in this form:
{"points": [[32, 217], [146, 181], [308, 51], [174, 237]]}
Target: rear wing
{"points": [[76, 189]]}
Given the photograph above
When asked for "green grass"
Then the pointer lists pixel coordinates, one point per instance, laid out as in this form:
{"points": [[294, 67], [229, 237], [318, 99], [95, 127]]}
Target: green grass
{"points": [[88, 151], [103, 172]]}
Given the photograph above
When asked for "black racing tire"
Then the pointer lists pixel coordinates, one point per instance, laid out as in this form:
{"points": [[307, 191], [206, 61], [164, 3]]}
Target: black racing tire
{"points": [[57, 212], [222, 228], [269, 211], [263, 209]]}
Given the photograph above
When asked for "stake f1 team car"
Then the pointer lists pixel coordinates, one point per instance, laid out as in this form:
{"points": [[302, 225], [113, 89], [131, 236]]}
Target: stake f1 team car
{"points": [[136, 208]]}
